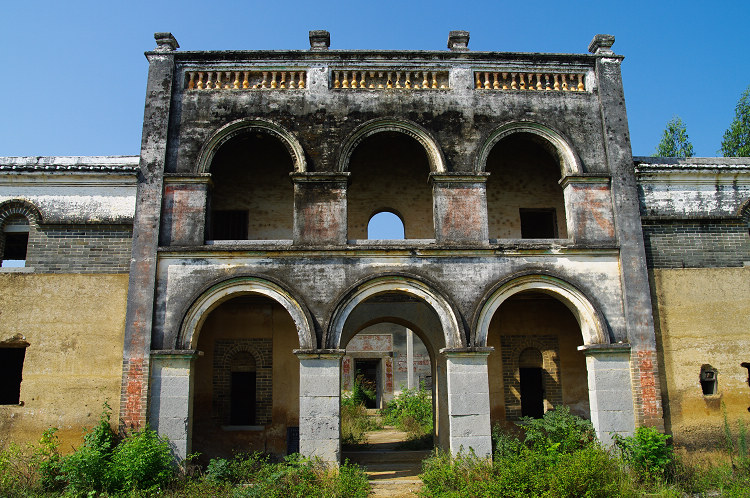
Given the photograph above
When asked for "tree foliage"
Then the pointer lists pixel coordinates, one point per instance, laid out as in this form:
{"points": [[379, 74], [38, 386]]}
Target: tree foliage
{"points": [[736, 141], [674, 141]]}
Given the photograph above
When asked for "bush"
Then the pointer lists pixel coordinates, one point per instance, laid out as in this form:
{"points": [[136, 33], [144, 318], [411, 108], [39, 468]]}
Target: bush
{"points": [[142, 461], [590, 472], [411, 412], [646, 452], [558, 431]]}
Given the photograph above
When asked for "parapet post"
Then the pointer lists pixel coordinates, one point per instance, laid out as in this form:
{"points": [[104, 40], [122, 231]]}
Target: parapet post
{"points": [[458, 41], [320, 39], [636, 291], [142, 281]]}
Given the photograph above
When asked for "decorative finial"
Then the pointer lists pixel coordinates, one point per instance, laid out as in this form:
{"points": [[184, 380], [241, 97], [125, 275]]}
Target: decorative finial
{"points": [[602, 44], [320, 39], [165, 42], [458, 41]]}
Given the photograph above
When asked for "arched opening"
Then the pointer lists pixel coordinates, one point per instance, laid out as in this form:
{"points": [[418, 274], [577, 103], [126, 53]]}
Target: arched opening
{"points": [[524, 198], [392, 343], [390, 172], [246, 383], [252, 196], [536, 364], [385, 225], [14, 241]]}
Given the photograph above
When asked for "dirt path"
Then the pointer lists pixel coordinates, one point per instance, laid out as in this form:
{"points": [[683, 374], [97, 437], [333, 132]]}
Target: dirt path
{"points": [[393, 473]]}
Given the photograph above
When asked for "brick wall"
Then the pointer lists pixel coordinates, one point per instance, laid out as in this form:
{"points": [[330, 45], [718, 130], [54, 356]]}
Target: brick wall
{"points": [[224, 354], [696, 243], [512, 347], [80, 248]]}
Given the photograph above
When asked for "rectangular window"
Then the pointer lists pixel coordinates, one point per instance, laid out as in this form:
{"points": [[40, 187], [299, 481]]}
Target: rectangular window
{"points": [[538, 223], [229, 225], [242, 392], [11, 368]]}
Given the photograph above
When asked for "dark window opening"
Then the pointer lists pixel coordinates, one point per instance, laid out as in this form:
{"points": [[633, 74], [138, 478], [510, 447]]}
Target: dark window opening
{"points": [[747, 365], [538, 224], [242, 392], [708, 380], [11, 368], [15, 245], [15, 241], [229, 225], [532, 392], [367, 373]]}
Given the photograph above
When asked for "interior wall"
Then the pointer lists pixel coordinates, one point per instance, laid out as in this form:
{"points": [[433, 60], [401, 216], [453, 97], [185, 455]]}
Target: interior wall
{"points": [[390, 172], [531, 315], [702, 318], [251, 172], [247, 317], [523, 174]]}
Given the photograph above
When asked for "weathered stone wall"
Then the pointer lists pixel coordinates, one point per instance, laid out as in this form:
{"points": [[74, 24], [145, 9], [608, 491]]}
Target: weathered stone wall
{"points": [[74, 326], [702, 319]]}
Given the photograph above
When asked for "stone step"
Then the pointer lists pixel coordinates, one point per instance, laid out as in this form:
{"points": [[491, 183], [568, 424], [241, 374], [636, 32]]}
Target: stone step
{"points": [[387, 456]]}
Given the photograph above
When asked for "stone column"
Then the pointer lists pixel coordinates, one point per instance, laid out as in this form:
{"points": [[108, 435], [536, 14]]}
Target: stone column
{"points": [[183, 221], [320, 404], [171, 398], [468, 401], [320, 208], [610, 390], [588, 209], [460, 208]]}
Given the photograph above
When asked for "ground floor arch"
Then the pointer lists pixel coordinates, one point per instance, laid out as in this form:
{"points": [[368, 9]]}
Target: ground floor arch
{"points": [[550, 347]]}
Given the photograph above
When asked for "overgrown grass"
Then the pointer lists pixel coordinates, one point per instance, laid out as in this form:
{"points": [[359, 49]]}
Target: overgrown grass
{"points": [[355, 422], [142, 465], [558, 456]]}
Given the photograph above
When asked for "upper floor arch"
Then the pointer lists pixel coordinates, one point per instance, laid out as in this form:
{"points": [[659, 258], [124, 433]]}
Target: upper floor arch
{"points": [[553, 141], [434, 153], [247, 126]]}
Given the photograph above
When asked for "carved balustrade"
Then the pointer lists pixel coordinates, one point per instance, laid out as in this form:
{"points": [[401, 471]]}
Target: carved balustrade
{"points": [[378, 79], [537, 81], [245, 80]]}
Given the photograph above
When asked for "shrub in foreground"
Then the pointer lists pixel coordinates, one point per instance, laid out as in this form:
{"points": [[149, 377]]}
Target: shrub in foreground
{"points": [[411, 412]]}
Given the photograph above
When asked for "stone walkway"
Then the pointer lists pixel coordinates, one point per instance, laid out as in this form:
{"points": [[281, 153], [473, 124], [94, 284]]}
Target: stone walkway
{"points": [[393, 473]]}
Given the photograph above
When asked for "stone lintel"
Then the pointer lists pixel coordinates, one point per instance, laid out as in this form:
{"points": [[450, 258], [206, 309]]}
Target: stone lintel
{"points": [[321, 354], [602, 44], [191, 179], [584, 179], [320, 39], [320, 177], [459, 177], [165, 42], [594, 349], [467, 352], [458, 41], [176, 353]]}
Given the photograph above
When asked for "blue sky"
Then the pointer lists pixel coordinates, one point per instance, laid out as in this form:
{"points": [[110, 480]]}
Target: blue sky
{"points": [[74, 74]]}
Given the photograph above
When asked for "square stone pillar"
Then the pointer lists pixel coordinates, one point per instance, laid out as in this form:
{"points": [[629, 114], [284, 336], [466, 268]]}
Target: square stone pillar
{"points": [[460, 208], [171, 398], [468, 401], [320, 404], [610, 389], [320, 208], [588, 209], [183, 221]]}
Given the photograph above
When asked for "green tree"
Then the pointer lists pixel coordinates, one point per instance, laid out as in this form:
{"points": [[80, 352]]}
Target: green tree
{"points": [[675, 141], [736, 142]]}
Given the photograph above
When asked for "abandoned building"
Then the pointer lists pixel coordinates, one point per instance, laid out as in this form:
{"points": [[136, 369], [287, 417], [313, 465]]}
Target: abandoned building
{"points": [[223, 286]]}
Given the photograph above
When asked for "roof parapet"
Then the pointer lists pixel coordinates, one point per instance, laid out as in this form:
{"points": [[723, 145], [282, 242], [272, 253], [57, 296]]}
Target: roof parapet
{"points": [[458, 41]]}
